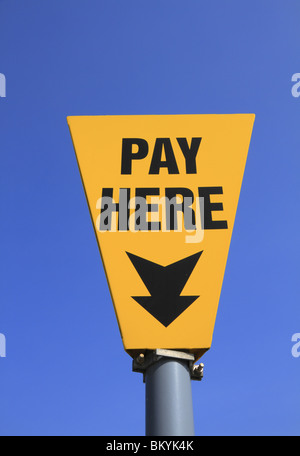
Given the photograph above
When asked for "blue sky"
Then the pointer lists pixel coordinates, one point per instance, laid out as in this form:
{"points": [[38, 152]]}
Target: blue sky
{"points": [[65, 371]]}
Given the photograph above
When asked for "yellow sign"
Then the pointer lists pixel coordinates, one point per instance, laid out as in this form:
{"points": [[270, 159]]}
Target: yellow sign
{"points": [[163, 192]]}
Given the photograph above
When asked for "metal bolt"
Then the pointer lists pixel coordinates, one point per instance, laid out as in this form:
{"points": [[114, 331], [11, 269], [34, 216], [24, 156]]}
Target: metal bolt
{"points": [[141, 358], [198, 369]]}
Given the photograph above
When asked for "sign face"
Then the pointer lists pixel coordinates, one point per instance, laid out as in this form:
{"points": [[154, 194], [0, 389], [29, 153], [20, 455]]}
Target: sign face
{"points": [[163, 192]]}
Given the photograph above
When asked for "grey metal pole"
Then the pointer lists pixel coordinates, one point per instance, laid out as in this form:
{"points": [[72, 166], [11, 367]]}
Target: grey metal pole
{"points": [[169, 407]]}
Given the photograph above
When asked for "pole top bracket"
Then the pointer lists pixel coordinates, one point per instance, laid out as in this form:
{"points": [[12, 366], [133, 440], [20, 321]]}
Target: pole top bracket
{"points": [[141, 362]]}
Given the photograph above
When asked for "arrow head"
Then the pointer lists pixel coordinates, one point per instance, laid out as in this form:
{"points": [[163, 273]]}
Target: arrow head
{"points": [[165, 283]]}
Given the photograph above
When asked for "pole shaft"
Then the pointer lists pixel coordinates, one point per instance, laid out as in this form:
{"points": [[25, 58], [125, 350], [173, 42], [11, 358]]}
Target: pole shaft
{"points": [[169, 406]]}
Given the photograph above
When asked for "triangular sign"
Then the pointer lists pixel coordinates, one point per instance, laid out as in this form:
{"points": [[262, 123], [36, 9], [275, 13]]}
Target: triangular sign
{"points": [[163, 192]]}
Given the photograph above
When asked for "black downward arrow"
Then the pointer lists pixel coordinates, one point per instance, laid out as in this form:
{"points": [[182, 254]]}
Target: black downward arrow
{"points": [[165, 283]]}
